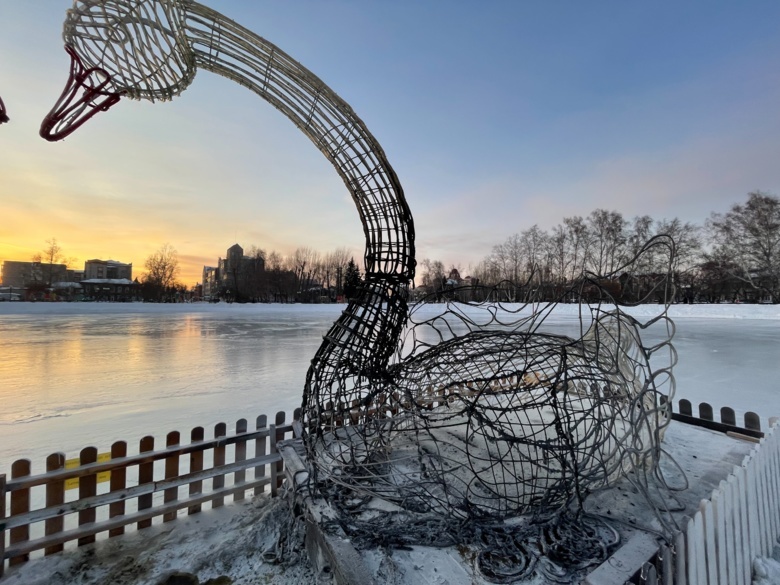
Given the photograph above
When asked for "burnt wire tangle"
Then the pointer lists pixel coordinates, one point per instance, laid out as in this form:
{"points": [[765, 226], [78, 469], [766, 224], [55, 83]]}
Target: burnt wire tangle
{"points": [[489, 411]]}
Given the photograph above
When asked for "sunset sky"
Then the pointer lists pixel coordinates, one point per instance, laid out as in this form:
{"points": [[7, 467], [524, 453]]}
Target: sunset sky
{"points": [[495, 115]]}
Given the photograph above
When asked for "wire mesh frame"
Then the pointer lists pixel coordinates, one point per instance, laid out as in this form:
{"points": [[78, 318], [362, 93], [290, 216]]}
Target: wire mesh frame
{"points": [[486, 432], [499, 418], [486, 380]]}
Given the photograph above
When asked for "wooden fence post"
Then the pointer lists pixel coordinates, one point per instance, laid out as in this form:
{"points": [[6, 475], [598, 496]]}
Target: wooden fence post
{"points": [[743, 550], [727, 416], [20, 504], [297, 425], [667, 565], [171, 472], [752, 421], [260, 450], [55, 495], [2, 524], [87, 488], [145, 475], [240, 475], [705, 411], [279, 436], [272, 450], [719, 500], [733, 543], [710, 544], [196, 464], [680, 557], [219, 460], [118, 484]]}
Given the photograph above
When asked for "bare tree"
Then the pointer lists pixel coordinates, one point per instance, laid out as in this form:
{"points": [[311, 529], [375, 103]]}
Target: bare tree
{"points": [[254, 273], [282, 285], [534, 247], [51, 260], [687, 242], [432, 275], [486, 272], [560, 259], [578, 237], [306, 264], [746, 242], [162, 267], [335, 266], [509, 260], [607, 241], [274, 261]]}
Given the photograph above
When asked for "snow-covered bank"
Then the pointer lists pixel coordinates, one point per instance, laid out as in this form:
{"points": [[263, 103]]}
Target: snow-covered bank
{"points": [[250, 542]]}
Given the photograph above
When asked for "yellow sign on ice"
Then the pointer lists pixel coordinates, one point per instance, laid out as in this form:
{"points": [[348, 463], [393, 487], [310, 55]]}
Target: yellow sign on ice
{"points": [[73, 482]]}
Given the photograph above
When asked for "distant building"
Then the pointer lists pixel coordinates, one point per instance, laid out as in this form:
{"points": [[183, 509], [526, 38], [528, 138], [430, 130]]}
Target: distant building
{"points": [[75, 275], [110, 289], [66, 291], [26, 274], [454, 278], [241, 277], [210, 283], [41, 281], [110, 269]]}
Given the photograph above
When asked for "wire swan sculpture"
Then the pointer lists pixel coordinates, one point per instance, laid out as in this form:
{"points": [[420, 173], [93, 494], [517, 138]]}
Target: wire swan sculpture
{"points": [[467, 413]]}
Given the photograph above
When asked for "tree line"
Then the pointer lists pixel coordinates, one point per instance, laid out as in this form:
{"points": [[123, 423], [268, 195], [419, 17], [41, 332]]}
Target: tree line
{"points": [[733, 256], [305, 275]]}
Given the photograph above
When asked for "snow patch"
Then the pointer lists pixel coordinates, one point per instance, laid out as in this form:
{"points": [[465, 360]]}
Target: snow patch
{"points": [[766, 571], [255, 541]]}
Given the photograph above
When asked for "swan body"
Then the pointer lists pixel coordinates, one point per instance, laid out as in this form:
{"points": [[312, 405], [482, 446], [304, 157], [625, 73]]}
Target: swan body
{"points": [[528, 421]]}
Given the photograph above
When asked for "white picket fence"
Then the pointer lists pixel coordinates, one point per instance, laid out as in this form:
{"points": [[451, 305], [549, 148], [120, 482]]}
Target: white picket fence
{"points": [[739, 523]]}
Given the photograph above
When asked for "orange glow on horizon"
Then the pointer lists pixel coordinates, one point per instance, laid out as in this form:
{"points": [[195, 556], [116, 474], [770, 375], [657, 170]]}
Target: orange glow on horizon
{"points": [[191, 269]]}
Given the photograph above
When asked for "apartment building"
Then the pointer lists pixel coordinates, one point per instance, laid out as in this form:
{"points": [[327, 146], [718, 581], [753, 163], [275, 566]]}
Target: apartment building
{"points": [[107, 269]]}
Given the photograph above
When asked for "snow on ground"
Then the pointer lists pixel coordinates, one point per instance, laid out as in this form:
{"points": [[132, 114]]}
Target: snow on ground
{"points": [[245, 541], [257, 541], [766, 571]]}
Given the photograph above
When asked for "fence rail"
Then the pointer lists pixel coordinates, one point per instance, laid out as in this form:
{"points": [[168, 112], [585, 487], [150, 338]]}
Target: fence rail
{"points": [[751, 426], [115, 490]]}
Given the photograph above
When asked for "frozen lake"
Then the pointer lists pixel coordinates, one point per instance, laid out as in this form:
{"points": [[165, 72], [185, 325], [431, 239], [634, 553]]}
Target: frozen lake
{"points": [[73, 375]]}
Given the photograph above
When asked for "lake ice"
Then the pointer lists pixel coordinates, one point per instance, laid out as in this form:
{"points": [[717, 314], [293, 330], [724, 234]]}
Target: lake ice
{"points": [[80, 374]]}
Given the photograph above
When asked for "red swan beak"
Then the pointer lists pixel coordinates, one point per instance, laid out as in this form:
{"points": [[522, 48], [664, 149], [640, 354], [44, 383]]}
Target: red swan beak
{"points": [[84, 96], [3, 114]]}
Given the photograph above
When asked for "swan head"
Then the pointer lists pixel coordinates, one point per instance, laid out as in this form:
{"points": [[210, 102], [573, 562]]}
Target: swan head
{"points": [[133, 48]]}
